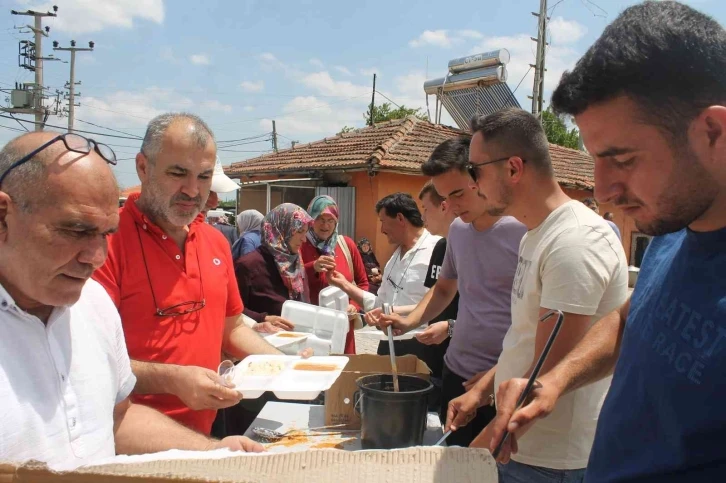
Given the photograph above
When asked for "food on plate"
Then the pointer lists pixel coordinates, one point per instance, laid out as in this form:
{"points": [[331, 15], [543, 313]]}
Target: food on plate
{"points": [[264, 368], [289, 334], [311, 366]]}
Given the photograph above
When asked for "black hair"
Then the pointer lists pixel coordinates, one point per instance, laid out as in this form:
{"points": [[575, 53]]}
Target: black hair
{"points": [[430, 189], [403, 203], [666, 57], [516, 132], [451, 154], [590, 202]]}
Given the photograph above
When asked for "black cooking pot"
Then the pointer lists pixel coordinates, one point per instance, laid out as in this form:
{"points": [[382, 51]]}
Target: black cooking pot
{"points": [[392, 419]]}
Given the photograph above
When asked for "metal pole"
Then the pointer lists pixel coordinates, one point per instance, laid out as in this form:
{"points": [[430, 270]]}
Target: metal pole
{"points": [[274, 137], [71, 92], [373, 101], [539, 61], [38, 73]]}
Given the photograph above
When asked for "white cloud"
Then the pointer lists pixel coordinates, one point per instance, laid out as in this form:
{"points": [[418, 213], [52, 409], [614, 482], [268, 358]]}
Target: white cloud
{"points": [[343, 70], [566, 31], [324, 84], [215, 105], [438, 38], [199, 59], [86, 16], [370, 71], [470, 34], [317, 63], [253, 86], [308, 118], [126, 108], [248, 108], [410, 86]]}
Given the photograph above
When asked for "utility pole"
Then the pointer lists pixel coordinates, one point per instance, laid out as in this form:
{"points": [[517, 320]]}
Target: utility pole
{"points": [[539, 66], [39, 34], [72, 83], [373, 101], [274, 137]]}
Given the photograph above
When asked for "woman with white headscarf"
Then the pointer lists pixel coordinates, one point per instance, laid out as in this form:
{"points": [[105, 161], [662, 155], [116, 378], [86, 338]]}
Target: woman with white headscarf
{"points": [[249, 225]]}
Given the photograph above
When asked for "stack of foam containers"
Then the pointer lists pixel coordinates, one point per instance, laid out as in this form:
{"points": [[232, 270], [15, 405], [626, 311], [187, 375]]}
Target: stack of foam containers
{"points": [[327, 327]]}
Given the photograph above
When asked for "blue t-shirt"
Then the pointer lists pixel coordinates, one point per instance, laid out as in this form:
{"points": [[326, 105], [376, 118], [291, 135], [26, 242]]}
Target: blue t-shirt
{"points": [[246, 243], [664, 419]]}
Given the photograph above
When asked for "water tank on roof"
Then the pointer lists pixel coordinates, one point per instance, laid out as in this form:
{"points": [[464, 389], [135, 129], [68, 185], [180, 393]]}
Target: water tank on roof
{"points": [[476, 61]]}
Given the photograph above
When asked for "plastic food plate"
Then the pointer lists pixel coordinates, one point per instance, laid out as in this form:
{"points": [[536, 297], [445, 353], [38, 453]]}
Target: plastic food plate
{"points": [[289, 377], [374, 333]]}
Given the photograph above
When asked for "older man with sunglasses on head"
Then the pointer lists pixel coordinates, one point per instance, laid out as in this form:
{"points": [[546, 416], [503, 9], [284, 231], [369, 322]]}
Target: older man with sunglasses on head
{"points": [[172, 278], [65, 376]]}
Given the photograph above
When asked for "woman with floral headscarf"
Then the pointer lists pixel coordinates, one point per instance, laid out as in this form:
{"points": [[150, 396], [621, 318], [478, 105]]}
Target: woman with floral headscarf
{"points": [[274, 272], [325, 251]]}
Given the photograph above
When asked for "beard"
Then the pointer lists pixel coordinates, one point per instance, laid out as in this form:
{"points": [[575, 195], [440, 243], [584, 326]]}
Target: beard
{"points": [[690, 193], [160, 207], [498, 205]]}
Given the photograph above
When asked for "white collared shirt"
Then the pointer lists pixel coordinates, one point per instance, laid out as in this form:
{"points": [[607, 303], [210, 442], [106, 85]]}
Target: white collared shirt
{"points": [[404, 276], [59, 382]]}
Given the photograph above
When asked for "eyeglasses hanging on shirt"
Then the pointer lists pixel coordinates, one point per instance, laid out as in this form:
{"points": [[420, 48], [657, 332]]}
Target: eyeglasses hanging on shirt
{"points": [[178, 309], [397, 287]]}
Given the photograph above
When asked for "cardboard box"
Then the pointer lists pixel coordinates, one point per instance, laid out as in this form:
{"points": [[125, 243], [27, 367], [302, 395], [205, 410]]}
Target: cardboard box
{"points": [[414, 465], [339, 403]]}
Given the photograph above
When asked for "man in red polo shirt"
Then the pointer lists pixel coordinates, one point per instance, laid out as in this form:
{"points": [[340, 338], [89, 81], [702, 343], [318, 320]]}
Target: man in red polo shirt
{"points": [[172, 278]]}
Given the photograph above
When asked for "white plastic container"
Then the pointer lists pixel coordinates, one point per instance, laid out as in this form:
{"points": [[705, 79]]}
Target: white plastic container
{"points": [[290, 343], [333, 298], [291, 382], [376, 334], [328, 328]]}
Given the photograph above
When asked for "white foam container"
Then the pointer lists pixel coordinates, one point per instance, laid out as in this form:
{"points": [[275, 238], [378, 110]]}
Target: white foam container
{"points": [[327, 327], [290, 383], [287, 345], [333, 298]]}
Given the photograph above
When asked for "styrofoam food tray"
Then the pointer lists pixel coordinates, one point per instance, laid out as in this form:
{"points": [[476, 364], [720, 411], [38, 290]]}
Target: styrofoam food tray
{"points": [[278, 341], [374, 333], [290, 383]]}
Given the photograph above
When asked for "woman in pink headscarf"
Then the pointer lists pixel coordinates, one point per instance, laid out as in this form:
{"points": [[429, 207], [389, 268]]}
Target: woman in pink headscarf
{"points": [[325, 250]]}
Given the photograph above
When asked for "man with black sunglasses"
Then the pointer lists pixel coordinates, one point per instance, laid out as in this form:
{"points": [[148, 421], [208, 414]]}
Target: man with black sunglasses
{"points": [[65, 375], [569, 260], [172, 278]]}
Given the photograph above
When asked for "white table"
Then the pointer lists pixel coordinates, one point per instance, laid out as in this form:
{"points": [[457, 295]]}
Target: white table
{"points": [[285, 416]]}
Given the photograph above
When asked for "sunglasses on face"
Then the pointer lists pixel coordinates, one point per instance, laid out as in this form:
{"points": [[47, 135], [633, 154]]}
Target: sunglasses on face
{"points": [[473, 168], [72, 142]]}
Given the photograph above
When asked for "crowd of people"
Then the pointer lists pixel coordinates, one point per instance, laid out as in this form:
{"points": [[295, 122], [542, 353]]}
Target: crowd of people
{"points": [[121, 317]]}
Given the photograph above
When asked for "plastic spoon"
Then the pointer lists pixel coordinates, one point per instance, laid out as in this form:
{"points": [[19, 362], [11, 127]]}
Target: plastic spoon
{"points": [[443, 438], [394, 368], [535, 372]]}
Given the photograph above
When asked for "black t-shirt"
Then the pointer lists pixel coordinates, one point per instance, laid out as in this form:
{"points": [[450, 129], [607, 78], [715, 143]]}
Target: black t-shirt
{"points": [[437, 260]]}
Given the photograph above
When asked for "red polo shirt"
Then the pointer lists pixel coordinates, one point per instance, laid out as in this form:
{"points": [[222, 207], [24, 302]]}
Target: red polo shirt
{"points": [[204, 267]]}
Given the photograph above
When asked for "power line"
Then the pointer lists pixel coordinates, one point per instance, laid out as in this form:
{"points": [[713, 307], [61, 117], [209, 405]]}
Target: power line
{"points": [[76, 130], [108, 128], [388, 98], [520, 82]]}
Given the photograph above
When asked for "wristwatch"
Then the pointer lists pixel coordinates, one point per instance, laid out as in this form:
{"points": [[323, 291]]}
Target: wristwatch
{"points": [[451, 323]]}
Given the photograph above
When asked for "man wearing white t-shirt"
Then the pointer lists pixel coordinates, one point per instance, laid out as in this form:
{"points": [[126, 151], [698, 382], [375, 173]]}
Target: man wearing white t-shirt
{"points": [[65, 375], [569, 260]]}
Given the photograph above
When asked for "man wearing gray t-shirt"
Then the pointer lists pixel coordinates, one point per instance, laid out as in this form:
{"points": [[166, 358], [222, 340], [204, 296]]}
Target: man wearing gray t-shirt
{"points": [[480, 260]]}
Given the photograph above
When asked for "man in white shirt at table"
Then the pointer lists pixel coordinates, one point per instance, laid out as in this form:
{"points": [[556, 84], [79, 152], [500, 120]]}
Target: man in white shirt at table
{"points": [[65, 374]]}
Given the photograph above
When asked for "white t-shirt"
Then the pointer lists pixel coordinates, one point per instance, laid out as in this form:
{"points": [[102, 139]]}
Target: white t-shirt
{"points": [[573, 262], [59, 382], [404, 277]]}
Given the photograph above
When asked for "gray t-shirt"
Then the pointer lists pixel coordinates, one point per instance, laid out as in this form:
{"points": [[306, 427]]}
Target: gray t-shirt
{"points": [[484, 264]]}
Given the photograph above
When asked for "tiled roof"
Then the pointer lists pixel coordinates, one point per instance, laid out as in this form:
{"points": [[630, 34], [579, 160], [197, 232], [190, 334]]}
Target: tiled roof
{"points": [[400, 145], [130, 190]]}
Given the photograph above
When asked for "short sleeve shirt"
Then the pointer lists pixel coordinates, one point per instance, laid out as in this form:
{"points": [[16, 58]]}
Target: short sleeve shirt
{"points": [[145, 271], [60, 381]]}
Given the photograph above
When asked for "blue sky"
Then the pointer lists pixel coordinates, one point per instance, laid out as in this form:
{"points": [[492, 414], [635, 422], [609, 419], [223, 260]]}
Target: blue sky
{"points": [[307, 64]]}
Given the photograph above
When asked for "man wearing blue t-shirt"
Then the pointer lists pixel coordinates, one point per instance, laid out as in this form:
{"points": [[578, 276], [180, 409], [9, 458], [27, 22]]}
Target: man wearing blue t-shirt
{"points": [[649, 98]]}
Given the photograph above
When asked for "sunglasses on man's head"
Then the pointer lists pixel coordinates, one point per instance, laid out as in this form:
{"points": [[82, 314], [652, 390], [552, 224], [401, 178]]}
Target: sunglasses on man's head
{"points": [[473, 168], [73, 142]]}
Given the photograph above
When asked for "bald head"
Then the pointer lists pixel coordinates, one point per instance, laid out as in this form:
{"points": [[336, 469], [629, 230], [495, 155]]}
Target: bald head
{"points": [[52, 172]]}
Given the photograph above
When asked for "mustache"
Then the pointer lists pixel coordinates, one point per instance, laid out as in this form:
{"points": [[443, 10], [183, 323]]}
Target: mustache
{"points": [[624, 200], [185, 198]]}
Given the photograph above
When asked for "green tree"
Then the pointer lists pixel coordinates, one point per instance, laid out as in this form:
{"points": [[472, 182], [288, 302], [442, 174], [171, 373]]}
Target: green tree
{"points": [[385, 112], [556, 129]]}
